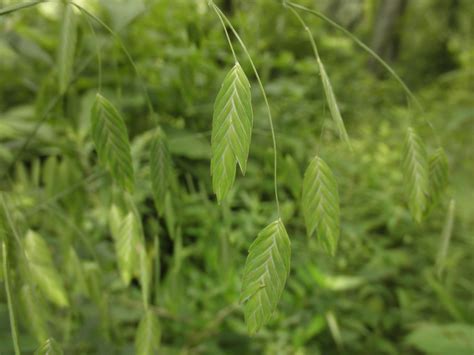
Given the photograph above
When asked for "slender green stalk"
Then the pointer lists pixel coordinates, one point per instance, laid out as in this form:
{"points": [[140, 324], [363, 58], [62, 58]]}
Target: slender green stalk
{"points": [[360, 44], [15, 7], [99, 57], [318, 59], [270, 120], [127, 54], [382, 62], [6, 276], [226, 33]]}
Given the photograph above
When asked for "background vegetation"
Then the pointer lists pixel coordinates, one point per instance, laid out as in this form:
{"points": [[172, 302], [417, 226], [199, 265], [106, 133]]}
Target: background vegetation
{"points": [[380, 294]]}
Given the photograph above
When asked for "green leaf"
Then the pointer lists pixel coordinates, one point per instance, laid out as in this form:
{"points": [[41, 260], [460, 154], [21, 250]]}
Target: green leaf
{"points": [[438, 168], [42, 270], [147, 339], [332, 103], [110, 137], [455, 338], [67, 46], [127, 241], [75, 272], [187, 144], [265, 273], [49, 347], [34, 312], [161, 169], [145, 273], [231, 130], [115, 220], [416, 174], [291, 175], [320, 203]]}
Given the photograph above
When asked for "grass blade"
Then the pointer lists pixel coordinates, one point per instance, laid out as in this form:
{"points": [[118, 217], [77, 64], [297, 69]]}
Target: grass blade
{"points": [[42, 269]]}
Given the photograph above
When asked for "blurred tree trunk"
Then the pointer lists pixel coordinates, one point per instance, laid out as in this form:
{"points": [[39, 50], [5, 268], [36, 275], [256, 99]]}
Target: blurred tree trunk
{"points": [[386, 33], [347, 13], [228, 6]]}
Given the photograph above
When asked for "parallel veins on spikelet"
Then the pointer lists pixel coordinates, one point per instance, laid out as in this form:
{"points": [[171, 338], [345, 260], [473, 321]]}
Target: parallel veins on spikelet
{"points": [[438, 166], [231, 130], [161, 169], [110, 137], [320, 204], [266, 270], [415, 174]]}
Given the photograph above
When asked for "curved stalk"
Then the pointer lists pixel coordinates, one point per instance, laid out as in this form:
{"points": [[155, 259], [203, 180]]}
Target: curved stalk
{"points": [[265, 98]]}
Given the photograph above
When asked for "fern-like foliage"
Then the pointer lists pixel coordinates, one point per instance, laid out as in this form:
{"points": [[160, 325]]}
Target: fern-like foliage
{"points": [[110, 137], [332, 103], [231, 130], [49, 347], [438, 168], [42, 270], [66, 48], [161, 169], [320, 203], [266, 270], [416, 174], [148, 336]]}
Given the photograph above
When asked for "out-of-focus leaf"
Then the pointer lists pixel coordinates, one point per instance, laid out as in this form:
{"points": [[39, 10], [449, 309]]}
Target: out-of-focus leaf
{"points": [[35, 313], [42, 269], [145, 272], [123, 12], [127, 243], [436, 339], [438, 165], [188, 145], [148, 336]]}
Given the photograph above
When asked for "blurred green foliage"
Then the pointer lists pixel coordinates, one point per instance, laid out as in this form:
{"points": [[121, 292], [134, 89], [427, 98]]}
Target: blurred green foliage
{"points": [[379, 294]]}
